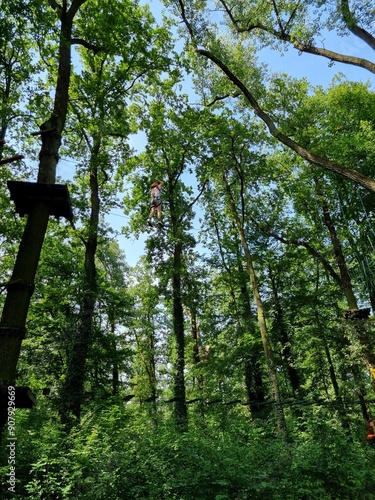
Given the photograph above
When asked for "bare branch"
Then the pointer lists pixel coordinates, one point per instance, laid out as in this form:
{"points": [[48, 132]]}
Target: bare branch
{"points": [[198, 195], [292, 15], [312, 49], [278, 16], [185, 20]]}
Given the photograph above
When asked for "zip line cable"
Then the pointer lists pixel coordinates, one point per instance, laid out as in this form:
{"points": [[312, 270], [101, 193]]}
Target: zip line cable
{"points": [[286, 403]]}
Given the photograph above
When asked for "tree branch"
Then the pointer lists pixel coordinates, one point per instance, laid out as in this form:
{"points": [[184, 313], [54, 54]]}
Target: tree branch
{"points": [[309, 48], [87, 45], [311, 157], [312, 49], [55, 5], [302, 243], [351, 24], [222, 97]]}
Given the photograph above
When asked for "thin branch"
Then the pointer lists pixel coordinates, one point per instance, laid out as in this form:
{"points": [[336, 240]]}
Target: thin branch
{"points": [[351, 24], [292, 16], [309, 48], [222, 97], [312, 251], [198, 195], [55, 5], [312, 49], [301, 243], [278, 16], [185, 20]]}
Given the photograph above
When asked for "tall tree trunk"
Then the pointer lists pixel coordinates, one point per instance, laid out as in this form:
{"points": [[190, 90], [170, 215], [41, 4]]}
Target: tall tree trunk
{"points": [[179, 335], [347, 287], [346, 283], [21, 285], [252, 366], [195, 335], [72, 391], [179, 389], [261, 315], [150, 363], [282, 331], [255, 387]]}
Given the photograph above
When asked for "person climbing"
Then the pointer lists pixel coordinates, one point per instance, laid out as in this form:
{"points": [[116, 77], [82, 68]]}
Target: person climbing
{"points": [[156, 201]]}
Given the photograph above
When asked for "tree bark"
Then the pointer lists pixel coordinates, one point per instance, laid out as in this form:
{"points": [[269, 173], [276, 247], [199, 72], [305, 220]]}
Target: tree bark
{"points": [[73, 387], [261, 315], [21, 285], [179, 389]]}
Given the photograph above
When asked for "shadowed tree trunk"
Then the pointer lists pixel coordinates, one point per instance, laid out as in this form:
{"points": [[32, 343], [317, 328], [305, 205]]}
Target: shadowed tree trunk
{"points": [[260, 312], [21, 285], [347, 289], [179, 389], [73, 387], [282, 332]]}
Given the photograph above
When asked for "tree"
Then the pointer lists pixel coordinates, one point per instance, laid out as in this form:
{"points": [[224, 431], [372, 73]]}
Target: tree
{"points": [[21, 285], [232, 72], [100, 92], [170, 125]]}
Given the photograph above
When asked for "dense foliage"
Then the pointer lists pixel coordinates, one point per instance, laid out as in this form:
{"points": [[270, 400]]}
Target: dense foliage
{"points": [[235, 359]]}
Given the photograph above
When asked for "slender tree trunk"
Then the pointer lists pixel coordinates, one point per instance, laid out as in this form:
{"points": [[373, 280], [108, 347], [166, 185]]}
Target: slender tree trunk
{"points": [[252, 369], [346, 283], [151, 364], [114, 355], [335, 385], [252, 366], [195, 338], [261, 315], [73, 387]]}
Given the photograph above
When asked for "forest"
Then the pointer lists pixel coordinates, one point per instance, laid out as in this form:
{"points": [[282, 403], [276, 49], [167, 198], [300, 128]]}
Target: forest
{"points": [[234, 358]]}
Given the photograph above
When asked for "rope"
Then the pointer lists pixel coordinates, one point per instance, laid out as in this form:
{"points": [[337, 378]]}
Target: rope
{"points": [[287, 403]]}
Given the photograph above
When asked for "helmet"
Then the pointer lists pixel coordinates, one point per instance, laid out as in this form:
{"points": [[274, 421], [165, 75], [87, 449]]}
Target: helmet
{"points": [[154, 184]]}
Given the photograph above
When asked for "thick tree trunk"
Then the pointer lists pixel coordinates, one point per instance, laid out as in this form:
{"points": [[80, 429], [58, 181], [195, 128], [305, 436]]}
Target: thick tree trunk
{"points": [[21, 285]]}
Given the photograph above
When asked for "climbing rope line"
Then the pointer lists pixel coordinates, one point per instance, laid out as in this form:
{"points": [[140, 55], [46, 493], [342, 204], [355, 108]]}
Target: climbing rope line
{"points": [[286, 403]]}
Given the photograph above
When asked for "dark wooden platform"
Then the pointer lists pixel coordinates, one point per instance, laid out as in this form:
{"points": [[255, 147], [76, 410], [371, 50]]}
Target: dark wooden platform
{"points": [[26, 194]]}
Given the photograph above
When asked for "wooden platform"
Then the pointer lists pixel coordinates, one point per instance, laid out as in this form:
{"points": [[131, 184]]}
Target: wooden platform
{"points": [[26, 194]]}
